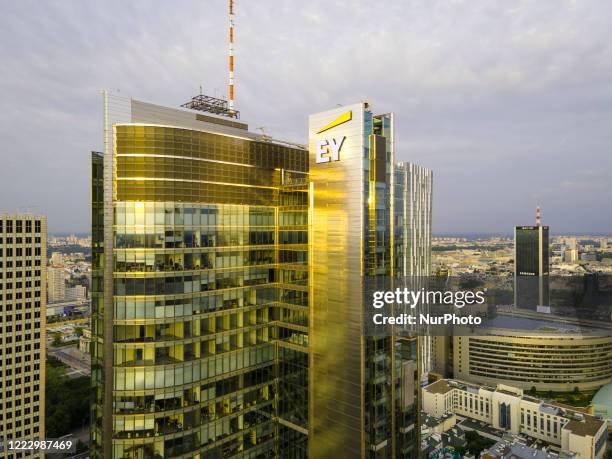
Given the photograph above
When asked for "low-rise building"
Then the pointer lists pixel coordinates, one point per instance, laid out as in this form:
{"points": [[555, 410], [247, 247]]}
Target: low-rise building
{"points": [[76, 293], [85, 341], [507, 408], [512, 447]]}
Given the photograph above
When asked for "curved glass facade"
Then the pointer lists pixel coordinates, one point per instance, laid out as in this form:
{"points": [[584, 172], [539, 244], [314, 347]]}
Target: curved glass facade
{"points": [[208, 262], [205, 241]]}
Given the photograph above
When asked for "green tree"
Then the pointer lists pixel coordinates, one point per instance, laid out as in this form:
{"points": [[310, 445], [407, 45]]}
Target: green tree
{"points": [[476, 444], [57, 339], [533, 390], [66, 402]]}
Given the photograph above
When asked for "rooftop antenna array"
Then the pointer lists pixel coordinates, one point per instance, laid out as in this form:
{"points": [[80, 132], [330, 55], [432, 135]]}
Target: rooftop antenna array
{"points": [[216, 105]]}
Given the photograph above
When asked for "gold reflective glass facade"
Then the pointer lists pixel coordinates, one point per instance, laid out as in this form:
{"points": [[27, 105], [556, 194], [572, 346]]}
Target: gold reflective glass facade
{"points": [[364, 399], [200, 350], [207, 339]]}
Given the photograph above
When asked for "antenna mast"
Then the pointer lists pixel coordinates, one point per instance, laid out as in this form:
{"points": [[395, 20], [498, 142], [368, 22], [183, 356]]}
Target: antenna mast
{"points": [[231, 55], [215, 105]]}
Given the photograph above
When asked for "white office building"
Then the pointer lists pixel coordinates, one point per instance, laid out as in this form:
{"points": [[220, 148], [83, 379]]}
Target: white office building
{"points": [[507, 408]]}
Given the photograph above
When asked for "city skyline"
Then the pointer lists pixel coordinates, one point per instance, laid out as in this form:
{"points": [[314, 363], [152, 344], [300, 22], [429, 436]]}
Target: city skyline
{"points": [[529, 102]]}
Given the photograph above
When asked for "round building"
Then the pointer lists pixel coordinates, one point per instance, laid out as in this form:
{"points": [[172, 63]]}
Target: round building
{"points": [[536, 353]]}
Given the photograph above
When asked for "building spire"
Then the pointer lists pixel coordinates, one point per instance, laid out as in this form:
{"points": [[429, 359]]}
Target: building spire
{"points": [[231, 56], [538, 216]]}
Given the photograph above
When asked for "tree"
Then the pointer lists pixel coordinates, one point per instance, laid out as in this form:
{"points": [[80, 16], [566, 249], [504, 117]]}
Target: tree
{"points": [[476, 444], [66, 402], [533, 390], [57, 339]]}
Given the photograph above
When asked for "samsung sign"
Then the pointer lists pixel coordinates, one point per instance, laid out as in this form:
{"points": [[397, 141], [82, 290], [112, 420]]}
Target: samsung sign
{"points": [[329, 149]]}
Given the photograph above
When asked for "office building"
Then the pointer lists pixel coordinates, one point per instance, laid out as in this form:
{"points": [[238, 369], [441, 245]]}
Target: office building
{"points": [[413, 211], [571, 243], [363, 395], [202, 254], [57, 259], [76, 293], [570, 256], [22, 328], [532, 266], [199, 296], [56, 284], [527, 353], [508, 409], [414, 198]]}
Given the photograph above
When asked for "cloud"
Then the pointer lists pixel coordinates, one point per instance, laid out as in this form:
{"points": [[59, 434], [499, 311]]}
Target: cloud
{"points": [[510, 104]]}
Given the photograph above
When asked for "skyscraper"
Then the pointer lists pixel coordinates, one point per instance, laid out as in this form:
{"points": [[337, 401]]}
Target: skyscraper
{"points": [[204, 239], [22, 308], [413, 213], [199, 300], [363, 391], [531, 266], [413, 210]]}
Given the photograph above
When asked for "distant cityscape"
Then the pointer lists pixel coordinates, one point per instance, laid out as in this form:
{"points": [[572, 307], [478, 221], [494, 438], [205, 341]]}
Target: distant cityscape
{"points": [[217, 308], [495, 254]]}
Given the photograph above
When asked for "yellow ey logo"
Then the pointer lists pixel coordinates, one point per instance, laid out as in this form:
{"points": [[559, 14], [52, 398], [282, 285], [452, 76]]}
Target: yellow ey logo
{"points": [[337, 122]]}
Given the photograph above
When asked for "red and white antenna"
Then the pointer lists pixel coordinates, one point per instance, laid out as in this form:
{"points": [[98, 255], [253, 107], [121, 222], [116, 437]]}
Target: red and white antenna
{"points": [[231, 55]]}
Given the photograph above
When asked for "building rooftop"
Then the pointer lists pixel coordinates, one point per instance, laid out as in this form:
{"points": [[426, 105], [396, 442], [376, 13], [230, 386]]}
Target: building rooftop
{"points": [[439, 387], [579, 422], [584, 425], [513, 448]]}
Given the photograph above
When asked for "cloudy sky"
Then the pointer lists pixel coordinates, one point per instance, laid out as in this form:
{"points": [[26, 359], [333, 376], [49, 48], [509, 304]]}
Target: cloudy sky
{"points": [[509, 102]]}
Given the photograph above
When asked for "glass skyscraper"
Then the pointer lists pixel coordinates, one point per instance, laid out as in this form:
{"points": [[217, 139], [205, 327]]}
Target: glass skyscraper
{"points": [[413, 211], [223, 284], [363, 396], [531, 266], [200, 270]]}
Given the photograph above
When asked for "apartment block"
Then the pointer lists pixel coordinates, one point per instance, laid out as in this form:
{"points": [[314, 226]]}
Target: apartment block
{"points": [[22, 328]]}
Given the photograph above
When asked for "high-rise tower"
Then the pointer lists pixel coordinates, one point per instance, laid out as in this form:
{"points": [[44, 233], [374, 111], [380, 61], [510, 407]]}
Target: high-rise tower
{"points": [[23, 255], [199, 297], [364, 388], [412, 214], [228, 289], [531, 266]]}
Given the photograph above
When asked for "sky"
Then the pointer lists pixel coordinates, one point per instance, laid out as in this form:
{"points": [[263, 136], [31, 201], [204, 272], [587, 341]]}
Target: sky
{"points": [[509, 102]]}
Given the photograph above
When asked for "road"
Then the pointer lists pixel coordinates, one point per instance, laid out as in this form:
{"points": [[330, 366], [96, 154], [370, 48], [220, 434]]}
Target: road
{"points": [[78, 362]]}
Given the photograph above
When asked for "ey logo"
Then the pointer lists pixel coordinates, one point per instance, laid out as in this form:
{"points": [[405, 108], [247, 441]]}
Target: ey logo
{"points": [[329, 149]]}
